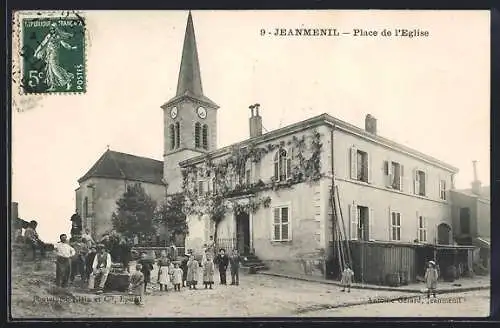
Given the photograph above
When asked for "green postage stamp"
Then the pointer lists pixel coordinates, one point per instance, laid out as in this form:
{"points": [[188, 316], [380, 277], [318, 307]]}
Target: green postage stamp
{"points": [[52, 51]]}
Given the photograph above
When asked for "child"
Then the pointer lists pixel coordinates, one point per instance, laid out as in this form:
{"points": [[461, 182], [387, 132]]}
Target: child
{"points": [[208, 272], [136, 285], [147, 267], [346, 279], [192, 272], [164, 272], [431, 277], [177, 277]]}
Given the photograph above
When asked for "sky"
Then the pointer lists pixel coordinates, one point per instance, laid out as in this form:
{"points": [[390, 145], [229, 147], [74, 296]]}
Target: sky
{"points": [[430, 93]]}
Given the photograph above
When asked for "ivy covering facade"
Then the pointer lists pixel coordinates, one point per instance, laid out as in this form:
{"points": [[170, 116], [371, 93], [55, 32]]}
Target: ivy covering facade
{"points": [[228, 180]]}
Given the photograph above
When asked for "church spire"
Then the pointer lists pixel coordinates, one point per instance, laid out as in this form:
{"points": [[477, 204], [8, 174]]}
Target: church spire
{"points": [[189, 74]]}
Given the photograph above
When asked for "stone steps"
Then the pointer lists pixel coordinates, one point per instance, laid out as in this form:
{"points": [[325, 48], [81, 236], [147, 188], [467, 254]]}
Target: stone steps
{"points": [[253, 264]]}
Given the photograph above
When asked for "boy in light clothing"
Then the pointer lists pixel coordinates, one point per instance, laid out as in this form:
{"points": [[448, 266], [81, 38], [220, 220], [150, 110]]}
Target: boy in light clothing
{"points": [[346, 279], [136, 285], [431, 278]]}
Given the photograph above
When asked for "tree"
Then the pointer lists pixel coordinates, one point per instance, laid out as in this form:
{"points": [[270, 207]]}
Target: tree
{"points": [[135, 212], [171, 215]]}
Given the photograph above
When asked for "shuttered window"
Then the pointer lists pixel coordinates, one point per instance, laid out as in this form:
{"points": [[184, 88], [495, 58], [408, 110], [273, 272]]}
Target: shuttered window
{"points": [[281, 224], [422, 229], [395, 226], [442, 189]]}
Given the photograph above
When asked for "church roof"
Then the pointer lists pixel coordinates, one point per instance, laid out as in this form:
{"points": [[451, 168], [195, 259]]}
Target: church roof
{"points": [[189, 82], [116, 165]]}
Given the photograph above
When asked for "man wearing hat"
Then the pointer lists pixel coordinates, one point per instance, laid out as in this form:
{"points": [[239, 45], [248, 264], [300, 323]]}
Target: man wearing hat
{"points": [[431, 278], [100, 268], [184, 267]]}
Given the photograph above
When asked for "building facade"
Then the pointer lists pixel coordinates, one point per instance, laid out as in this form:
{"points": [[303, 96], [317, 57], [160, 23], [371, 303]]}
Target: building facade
{"points": [[471, 214]]}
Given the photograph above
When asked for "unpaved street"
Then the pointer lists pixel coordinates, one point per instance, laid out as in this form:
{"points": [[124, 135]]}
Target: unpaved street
{"points": [[468, 304], [257, 296]]}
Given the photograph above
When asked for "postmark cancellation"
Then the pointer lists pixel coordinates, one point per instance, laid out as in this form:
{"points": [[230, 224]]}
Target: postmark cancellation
{"points": [[51, 53]]}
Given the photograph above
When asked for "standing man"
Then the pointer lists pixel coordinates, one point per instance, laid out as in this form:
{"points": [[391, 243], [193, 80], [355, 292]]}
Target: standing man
{"points": [[222, 262], [234, 260], [64, 253], [126, 253], [78, 261], [100, 268]]}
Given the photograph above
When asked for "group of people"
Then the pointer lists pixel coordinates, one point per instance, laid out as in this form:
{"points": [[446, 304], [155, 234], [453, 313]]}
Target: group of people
{"points": [[188, 273], [83, 257]]}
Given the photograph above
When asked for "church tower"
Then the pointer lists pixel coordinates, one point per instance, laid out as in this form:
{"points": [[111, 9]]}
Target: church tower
{"points": [[190, 118]]}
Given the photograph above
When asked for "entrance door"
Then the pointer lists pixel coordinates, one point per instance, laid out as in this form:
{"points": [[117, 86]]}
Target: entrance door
{"points": [[243, 233]]}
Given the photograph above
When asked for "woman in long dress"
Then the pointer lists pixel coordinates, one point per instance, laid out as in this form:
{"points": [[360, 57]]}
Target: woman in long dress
{"points": [[165, 268], [192, 272], [48, 51]]}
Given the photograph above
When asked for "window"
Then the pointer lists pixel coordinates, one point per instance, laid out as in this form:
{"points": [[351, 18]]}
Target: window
{"points": [[395, 226], [205, 136], [420, 182], [282, 165], [394, 173], [248, 177], [172, 136], [359, 165], [197, 132], [362, 219], [86, 207], [246, 173], [200, 187], [442, 189], [281, 224], [422, 229], [362, 167], [465, 220], [177, 134]]}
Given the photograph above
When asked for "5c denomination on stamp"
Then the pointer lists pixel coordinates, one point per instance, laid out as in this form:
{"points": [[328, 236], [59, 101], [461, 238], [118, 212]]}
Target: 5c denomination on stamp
{"points": [[52, 50]]}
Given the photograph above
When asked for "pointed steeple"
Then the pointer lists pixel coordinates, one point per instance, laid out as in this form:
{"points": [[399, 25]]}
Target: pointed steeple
{"points": [[189, 73], [189, 81]]}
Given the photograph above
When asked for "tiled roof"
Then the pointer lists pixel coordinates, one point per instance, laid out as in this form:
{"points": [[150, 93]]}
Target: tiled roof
{"points": [[116, 165]]}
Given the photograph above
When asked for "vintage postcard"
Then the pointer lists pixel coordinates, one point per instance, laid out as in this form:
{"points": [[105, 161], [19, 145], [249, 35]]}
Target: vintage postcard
{"points": [[250, 164]]}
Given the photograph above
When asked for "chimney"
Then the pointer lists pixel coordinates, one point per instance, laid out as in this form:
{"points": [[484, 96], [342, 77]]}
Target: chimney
{"points": [[371, 124], [476, 184], [255, 121]]}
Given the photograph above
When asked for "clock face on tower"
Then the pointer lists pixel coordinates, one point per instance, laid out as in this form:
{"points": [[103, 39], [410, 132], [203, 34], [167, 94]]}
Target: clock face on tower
{"points": [[202, 112], [173, 112]]}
